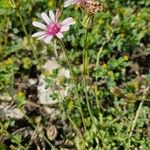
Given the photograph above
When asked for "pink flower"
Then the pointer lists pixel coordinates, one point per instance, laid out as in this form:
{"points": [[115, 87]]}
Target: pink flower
{"points": [[53, 27], [78, 2]]}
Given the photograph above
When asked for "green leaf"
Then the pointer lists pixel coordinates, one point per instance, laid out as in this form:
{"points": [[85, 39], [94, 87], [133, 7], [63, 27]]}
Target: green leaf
{"points": [[16, 138], [147, 77]]}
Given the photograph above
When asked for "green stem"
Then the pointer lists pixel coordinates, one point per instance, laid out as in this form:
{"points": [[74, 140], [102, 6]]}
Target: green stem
{"points": [[85, 55], [97, 65], [71, 121], [20, 145], [67, 58], [21, 21], [75, 126], [74, 80], [88, 104], [99, 54], [86, 72]]}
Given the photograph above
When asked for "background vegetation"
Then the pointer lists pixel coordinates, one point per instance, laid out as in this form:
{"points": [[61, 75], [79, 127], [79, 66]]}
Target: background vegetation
{"points": [[119, 56]]}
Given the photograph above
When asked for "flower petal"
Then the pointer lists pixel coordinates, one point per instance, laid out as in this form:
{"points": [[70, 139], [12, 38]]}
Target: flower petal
{"points": [[51, 15], [64, 28], [68, 2], [40, 33], [39, 25], [48, 39], [42, 37], [68, 21], [59, 35], [45, 18]]}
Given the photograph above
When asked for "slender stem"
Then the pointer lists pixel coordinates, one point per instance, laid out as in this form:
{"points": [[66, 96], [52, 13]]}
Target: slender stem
{"points": [[86, 72], [88, 104], [135, 119], [71, 121], [68, 61], [99, 54], [75, 126], [74, 80], [21, 21], [55, 49], [85, 55], [137, 113], [97, 65]]}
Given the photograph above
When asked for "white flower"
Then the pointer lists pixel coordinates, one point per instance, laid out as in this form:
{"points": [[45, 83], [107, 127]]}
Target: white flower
{"points": [[52, 27]]}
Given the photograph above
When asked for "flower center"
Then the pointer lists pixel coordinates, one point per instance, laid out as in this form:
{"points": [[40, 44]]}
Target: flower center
{"points": [[53, 28]]}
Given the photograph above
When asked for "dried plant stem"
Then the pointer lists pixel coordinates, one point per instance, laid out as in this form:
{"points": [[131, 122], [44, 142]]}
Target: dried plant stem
{"points": [[135, 119], [74, 80], [138, 113]]}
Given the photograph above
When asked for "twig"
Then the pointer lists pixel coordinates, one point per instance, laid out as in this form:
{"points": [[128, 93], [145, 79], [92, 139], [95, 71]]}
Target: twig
{"points": [[138, 113]]}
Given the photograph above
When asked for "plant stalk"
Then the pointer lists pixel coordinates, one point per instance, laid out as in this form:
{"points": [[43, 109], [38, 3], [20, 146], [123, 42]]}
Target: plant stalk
{"points": [[74, 80]]}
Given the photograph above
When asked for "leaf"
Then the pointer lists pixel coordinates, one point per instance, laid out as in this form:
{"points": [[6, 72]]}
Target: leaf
{"points": [[147, 77], [5, 4], [20, 99], [26, 62], [16, 138], [2, 146]]}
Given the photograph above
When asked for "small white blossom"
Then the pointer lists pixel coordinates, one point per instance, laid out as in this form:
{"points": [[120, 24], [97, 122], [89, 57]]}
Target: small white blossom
{"points": [[53, 27]]}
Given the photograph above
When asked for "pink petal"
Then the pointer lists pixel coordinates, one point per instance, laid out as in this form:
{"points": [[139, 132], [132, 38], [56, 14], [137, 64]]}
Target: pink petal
{"points": [[59, 35], [51, 15], [45, 18], [68, 21], [48, 39], [39, 25]]}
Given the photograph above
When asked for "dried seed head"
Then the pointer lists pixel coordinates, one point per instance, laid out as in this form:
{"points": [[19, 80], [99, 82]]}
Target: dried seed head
{"points": [[90, 6], [93, 7]]}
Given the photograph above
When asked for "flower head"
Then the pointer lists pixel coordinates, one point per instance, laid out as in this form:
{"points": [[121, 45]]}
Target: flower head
{"points": [[90, 6], [52, 27]]}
